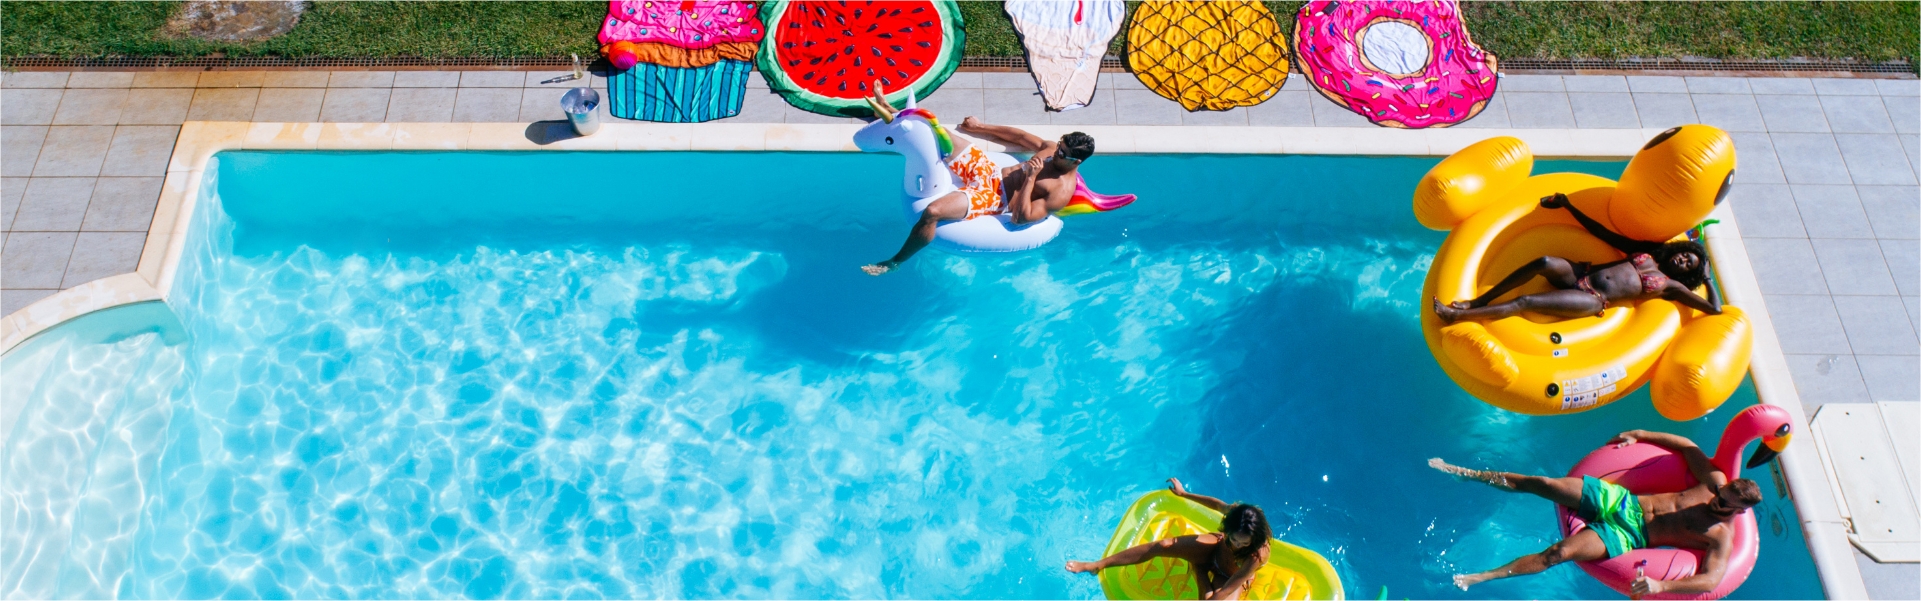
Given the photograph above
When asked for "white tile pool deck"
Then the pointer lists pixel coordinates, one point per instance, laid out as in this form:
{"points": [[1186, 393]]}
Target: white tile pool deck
{"points": [[1826, 194]]}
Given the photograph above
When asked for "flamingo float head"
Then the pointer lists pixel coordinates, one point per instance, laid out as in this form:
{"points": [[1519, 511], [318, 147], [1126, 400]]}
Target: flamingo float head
{"points": [[1771, 425], [1772, 443]]}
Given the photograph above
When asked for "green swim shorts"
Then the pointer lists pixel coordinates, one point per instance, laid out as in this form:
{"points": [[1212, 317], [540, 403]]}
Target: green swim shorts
{"points": [[1614, 513]]}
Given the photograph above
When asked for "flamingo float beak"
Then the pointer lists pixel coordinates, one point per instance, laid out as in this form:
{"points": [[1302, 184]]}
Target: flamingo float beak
{"points": [[1770, 447]]}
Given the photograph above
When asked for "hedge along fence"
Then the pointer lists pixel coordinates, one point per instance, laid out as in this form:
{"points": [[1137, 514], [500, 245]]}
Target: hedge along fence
{"points": [[1861, 31]]}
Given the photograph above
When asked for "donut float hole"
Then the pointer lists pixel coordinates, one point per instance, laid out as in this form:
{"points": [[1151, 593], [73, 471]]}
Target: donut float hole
{"points": [[1395, 47]]}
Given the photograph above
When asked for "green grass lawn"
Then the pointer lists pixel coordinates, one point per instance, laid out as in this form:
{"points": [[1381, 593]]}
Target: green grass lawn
{"points": [[1873, 31]]}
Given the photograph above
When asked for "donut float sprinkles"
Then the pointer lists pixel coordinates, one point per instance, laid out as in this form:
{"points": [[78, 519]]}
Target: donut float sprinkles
{"points": [[1400, 64]]}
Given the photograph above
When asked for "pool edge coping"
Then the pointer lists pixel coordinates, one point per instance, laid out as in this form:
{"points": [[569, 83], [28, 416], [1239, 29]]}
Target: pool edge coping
{"points": [[1809, 485], [1823, 530], [64, 306]]}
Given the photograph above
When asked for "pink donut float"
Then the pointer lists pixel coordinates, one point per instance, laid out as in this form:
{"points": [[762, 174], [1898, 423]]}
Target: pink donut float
{"points": [[1648, 469], [1400, 64]]}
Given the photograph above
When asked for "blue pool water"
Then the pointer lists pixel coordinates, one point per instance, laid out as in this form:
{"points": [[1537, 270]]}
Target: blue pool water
{"points": [[661, 375]]}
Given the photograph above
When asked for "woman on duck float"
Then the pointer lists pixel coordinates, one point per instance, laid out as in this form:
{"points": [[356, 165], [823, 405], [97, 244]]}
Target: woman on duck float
{"points": [[1561, 348], [1668, 271]]}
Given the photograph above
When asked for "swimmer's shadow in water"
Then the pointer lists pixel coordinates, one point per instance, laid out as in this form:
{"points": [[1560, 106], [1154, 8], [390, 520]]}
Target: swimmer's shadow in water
{"points": [[549, 132]]}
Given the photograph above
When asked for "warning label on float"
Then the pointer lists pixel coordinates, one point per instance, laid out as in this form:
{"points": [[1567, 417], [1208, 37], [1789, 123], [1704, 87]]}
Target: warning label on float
{"points": [[1583, 392]]}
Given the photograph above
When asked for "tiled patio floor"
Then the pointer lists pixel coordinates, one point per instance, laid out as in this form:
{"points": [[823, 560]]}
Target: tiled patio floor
{"points": [[1826, 189]]}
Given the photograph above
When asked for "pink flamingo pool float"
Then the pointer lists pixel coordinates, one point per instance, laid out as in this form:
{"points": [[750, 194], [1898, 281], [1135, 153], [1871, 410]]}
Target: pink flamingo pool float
{"points": [[1648, 469]]}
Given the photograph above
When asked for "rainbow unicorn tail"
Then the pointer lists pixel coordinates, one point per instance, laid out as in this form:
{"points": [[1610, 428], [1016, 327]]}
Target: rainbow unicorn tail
{"points": [[1088, 201]]}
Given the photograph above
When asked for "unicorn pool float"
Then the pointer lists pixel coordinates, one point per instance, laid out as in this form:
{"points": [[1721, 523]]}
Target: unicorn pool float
{"points": [[1646, 469], [914, 133], [1485, 194]]}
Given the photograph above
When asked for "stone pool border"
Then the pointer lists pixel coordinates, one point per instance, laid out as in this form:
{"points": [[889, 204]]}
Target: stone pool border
{"points": [[198, 141]]}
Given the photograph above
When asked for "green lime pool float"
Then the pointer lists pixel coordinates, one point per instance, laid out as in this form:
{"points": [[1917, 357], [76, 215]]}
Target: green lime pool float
{"points": [[1291, 572]]}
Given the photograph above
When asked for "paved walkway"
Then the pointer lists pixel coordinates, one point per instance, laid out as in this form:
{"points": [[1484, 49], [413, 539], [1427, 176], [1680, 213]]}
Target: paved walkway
{"points": [[1826, 188]]}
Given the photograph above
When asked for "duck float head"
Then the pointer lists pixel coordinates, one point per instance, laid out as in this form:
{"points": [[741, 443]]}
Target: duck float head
{"points": [[1489, 200]]}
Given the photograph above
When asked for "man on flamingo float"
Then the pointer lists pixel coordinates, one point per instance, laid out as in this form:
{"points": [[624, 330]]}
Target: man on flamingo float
{"points": [[1619, 521], [1028, 192]]}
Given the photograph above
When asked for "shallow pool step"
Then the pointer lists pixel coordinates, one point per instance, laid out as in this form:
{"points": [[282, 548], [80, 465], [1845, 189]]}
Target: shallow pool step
{"points": [[1872, 452]]}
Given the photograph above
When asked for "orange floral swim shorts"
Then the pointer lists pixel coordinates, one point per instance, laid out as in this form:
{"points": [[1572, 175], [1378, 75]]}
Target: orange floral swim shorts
{"points": [[980, 180]]}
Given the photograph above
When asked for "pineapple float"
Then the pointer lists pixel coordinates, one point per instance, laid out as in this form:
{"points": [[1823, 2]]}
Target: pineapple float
{"points": [[1208, 55]]}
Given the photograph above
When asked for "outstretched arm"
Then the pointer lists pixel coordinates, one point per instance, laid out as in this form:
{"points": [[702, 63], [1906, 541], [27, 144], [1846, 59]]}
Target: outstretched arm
{"points": [[1705, 581], [1184, 547], [1174, 485], [1698, 463], [1010, 137], [1680, 294], [1620, 242]]}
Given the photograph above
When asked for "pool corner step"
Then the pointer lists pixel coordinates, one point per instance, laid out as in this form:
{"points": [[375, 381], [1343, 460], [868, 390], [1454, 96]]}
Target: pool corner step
{"points": [[1871, 454]]}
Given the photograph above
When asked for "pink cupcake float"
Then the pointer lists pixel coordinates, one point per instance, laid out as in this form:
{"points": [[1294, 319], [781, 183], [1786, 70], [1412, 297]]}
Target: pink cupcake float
{"points": [[679, 33], [679, 61], [1400, 64]]}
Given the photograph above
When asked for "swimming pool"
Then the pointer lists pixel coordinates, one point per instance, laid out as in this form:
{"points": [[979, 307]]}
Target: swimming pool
{"points": [[661, 374]]}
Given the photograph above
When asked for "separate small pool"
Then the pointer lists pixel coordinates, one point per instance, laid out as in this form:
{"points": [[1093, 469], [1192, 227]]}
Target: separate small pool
{"points": [[582, 375]]}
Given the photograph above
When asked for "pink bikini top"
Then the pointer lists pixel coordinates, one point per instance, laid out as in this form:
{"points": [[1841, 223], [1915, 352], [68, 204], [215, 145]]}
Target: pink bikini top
{"points": [[1650, 282]]}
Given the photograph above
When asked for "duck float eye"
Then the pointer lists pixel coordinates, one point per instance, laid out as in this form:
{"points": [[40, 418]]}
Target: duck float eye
{"points": [[890, 140]]}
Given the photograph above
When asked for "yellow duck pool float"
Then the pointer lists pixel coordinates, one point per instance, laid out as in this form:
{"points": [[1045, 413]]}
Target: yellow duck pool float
{"points": [[1291, 572], [1488, 199]]}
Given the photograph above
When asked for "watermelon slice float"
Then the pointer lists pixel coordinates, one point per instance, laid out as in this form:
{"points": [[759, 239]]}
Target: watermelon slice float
{"points": [[823, 56]]}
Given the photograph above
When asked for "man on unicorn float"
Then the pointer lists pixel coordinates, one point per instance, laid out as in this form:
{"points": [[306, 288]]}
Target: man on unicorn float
{"points": [[1028, 192], [1619, 521]]}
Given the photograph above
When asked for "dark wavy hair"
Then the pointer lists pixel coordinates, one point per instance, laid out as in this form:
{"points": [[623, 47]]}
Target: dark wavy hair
{"points": [[1078, 145], [1692, 278], [1242, 518], [1746, 491]]}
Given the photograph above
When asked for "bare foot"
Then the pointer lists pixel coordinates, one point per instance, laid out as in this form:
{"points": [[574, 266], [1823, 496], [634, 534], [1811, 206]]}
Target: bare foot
{"points": [[1463, 305], [1491, 478], [879, 268], [1081, 567], [1447, 313], [1467, 580]]}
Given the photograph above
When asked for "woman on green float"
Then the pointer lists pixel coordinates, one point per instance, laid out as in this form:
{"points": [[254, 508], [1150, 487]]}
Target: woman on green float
{"points": [[1223, 562]]}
